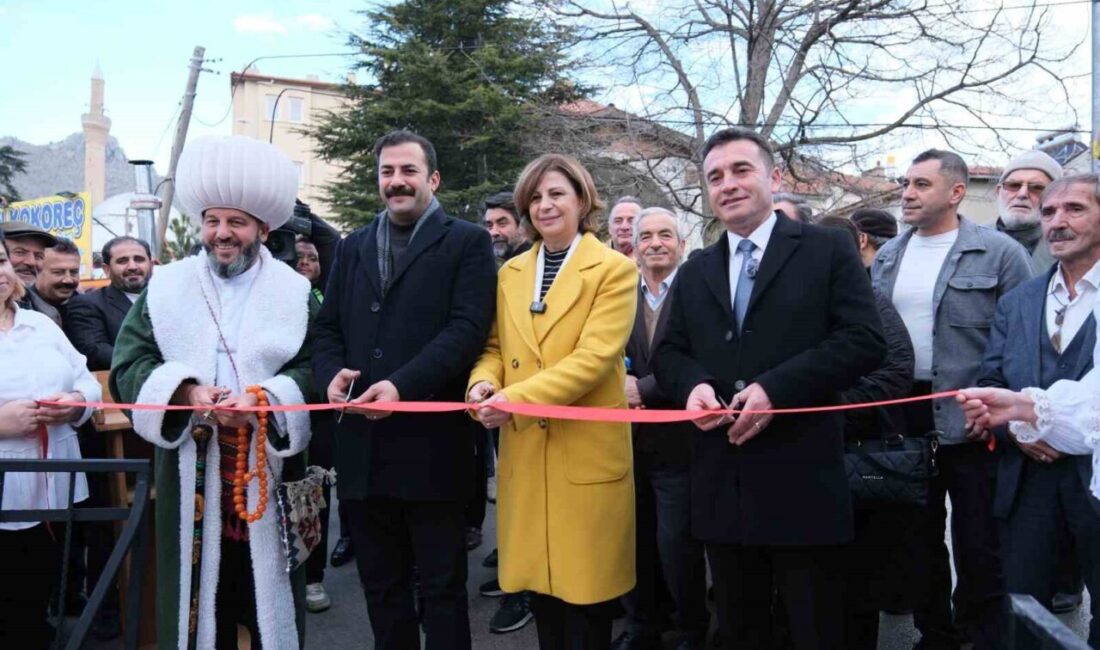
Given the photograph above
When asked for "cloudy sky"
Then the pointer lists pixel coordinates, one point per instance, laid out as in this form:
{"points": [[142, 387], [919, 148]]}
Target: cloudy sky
{"points": [[50, 48]]}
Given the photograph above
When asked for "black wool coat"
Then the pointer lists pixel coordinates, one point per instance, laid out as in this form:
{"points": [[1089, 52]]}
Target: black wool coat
{"points": [[424, 335]]}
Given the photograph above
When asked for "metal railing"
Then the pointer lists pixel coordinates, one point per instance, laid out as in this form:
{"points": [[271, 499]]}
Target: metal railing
{"points": [[1033, 627], [133, 538]]}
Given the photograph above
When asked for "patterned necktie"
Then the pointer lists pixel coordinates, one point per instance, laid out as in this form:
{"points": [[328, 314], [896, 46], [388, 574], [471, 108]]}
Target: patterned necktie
{"points": [[744, 281]]}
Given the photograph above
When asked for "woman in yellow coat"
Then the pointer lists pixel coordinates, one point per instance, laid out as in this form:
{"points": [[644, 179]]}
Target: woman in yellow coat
{"points": [[565, 500]]}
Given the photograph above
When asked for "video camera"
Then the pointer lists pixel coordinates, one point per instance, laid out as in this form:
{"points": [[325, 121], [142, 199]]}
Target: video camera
{"points": [[280, 242]]}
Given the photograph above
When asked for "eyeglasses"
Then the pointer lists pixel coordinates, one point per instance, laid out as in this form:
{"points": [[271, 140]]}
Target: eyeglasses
{"points": [[1032, 188]]}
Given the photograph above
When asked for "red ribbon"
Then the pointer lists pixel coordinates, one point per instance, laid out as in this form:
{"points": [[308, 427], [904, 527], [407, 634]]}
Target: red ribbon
{"points": [[587, 413]]}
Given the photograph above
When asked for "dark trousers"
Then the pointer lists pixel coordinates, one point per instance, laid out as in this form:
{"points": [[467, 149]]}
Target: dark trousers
{"points": [[664, 546], [315, 563], [1049, 498], [810, 579], [1068, 579], [29, 575], [564, 626], [342, 517], [390, 537], [235, 603], [966, 473], [475, 508], [878, 569]]}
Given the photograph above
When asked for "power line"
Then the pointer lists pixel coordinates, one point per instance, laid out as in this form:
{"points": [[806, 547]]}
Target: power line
{"points": [[233, 87], [842, 125], [167, 126]]}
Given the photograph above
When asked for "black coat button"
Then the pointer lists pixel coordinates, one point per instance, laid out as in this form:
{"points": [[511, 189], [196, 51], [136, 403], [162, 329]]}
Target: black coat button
{"points": [[739, 385], [515, 363], [542, 423], [377, 354], [375, 306], [729, 335]]}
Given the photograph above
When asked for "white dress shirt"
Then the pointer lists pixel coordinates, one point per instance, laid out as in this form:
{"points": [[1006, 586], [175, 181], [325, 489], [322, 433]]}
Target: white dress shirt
{"points": [[1077, 310], [655, 300], [38, 361], [760, 237]]}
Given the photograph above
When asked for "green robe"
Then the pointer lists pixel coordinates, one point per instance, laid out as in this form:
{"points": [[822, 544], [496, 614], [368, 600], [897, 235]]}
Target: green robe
{"points": [[137, 357]]}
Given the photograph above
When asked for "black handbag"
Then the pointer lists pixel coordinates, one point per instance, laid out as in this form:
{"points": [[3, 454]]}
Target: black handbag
{"points": [[890, 469]]}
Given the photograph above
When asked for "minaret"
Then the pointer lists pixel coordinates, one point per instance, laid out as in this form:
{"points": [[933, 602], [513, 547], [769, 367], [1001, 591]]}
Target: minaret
{"points": [[96, 127]]}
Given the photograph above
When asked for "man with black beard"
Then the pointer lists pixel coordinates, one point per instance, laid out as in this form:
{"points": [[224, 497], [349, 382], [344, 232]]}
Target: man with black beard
{"points": [[1022, 182], [407, 310], [92, 319]]}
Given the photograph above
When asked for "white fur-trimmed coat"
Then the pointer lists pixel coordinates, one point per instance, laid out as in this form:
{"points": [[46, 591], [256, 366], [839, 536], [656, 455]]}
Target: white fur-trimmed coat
{"points": [[273, 332]]}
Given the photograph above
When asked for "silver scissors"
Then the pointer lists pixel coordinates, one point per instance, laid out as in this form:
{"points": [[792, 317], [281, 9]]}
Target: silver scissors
{"points": [[221, 398], [727, 407], [347, 398]]}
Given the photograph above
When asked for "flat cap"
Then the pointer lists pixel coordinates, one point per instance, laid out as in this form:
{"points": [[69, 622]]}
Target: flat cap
{"points": [[22, 229]]}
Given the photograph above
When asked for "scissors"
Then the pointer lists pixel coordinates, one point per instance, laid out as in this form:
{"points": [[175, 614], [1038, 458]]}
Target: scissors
{"points": [[727, 407], [347, 398], [221, 398]]}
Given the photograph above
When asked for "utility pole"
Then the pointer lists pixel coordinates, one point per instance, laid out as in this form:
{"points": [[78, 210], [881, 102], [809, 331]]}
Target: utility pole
{"points": [[1095, 144], [177, 144]]}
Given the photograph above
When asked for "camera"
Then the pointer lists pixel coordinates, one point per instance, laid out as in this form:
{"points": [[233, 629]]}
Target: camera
{"points": [[280, 242]]}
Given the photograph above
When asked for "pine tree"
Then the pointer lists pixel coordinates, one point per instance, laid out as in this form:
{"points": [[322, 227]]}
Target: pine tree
{"points": [[466, 74], [11, 163]]}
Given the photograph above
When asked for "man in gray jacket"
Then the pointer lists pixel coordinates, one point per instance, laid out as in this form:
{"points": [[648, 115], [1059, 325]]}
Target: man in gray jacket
{"points": [[944, 276]]}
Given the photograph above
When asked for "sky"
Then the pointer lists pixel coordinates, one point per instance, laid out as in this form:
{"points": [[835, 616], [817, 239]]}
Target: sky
{"points": [[50, 48]]}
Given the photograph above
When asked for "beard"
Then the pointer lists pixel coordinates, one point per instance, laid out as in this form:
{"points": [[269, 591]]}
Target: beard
{"points": [[501, 247], [238, 266], [1013, 219], [131, 283]]}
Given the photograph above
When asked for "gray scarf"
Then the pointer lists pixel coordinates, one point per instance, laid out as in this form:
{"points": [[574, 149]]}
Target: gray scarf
{"points": [[385, 252]]}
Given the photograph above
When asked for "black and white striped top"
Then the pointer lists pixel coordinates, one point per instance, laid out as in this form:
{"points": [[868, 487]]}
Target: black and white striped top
{"points": [[550, 268]]}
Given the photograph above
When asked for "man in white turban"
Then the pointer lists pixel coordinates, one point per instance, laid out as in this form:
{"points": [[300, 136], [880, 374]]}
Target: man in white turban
{"points": [[226, 327]]}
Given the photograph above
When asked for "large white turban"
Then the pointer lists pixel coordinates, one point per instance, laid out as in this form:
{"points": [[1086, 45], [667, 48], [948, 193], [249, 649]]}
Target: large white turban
{"points": [[236, 172]]}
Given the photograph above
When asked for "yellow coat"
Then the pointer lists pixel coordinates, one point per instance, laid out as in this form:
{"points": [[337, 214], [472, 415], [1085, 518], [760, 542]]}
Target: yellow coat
{"points": [[565, 489]]}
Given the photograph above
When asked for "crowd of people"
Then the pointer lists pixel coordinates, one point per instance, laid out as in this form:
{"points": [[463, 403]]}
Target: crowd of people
{"points": [[785, 310]]}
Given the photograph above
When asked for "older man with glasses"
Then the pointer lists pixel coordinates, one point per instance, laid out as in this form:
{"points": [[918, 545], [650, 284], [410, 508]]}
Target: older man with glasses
{"points": [[1022, 182]]}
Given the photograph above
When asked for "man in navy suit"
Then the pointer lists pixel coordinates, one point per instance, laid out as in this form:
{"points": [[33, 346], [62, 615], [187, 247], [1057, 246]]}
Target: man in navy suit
{"points": [[769, 496], [92, 320], [1044, 331]]}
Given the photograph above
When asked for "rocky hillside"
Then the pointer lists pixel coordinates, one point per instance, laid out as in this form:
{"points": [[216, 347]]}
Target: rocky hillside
{"points": [[59, 167]]}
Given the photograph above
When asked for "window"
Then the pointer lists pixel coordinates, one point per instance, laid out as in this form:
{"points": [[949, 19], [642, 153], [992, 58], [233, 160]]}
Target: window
{"points": [[270, 114], [295, 109], [301, 173]]}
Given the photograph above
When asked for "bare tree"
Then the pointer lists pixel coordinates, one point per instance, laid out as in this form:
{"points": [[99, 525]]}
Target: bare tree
{"points": [[818, 77]]}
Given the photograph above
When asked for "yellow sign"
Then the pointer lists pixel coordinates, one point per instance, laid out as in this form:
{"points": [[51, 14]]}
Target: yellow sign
{"points": [[61, 216]]}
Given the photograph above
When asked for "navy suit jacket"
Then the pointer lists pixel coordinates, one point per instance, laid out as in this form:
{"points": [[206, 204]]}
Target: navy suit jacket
{"points": [[92, 320], [811, 330], [1012, 361]]}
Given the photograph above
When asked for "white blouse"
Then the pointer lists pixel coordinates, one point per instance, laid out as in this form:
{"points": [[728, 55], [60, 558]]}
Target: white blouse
{"points": [[36, 361]]}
